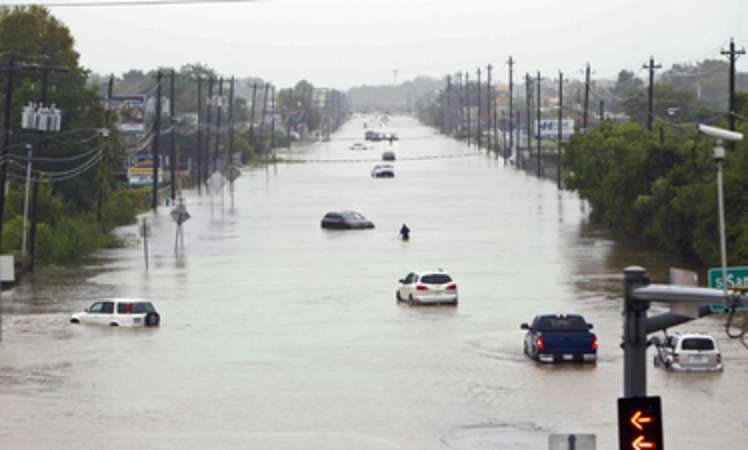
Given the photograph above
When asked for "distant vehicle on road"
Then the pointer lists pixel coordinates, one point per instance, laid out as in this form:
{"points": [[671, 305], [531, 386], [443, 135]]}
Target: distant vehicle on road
{"points": [[690, 352], [389, 155], [559, 338], [372, 135], [383, 171], [427, 287], [345, 220], [358, 146], [118, 312]]}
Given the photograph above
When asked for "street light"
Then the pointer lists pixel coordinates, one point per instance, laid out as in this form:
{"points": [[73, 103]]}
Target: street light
{"points": [[719, 155]]}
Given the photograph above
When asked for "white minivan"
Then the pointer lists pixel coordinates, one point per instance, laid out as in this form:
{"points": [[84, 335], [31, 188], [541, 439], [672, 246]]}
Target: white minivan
{"points": [[117, 312], [690, 352]]}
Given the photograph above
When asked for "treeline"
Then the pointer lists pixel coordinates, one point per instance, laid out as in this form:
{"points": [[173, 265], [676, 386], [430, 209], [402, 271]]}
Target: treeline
{"points": [[660, 186], [392, 98]]}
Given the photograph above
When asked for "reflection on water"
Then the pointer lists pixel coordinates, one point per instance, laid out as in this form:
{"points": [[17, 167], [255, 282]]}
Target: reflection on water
{"points": [[277, 334]]}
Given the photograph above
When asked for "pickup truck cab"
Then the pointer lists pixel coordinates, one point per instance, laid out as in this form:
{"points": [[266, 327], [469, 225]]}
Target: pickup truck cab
{"points": [[560, 338]]}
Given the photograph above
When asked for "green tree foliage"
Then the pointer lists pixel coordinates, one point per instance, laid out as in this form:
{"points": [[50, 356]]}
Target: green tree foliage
{"points": [[661, 191]]}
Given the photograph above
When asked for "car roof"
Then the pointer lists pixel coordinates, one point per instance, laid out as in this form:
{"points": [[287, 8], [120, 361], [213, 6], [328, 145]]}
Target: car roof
{"points": [[429, 272], [123, 300], [693, 335], [559, 315]]}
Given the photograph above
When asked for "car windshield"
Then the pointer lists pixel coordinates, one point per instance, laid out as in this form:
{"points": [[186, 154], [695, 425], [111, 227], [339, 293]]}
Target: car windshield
{"points": [[697, 344], [436, 278], [562, 324]]}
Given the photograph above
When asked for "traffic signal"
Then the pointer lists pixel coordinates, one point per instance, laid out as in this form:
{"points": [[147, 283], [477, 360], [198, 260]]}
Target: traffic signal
{"points": [[640, 423]]}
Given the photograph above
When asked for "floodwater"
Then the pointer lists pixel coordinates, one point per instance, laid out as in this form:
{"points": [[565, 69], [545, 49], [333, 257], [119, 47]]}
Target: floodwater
{"points": [[278, 334]]}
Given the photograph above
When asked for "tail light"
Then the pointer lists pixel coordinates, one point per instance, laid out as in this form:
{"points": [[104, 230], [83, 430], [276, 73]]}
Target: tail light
{"points": [[541, 343], [452, 287], [594, 342], [676, 357], [421, 287], [719, 358]]}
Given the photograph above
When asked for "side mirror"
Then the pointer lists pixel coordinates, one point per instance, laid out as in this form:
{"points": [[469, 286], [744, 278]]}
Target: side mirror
{"points": [[401, 281], [524, 326], [590, 326]]}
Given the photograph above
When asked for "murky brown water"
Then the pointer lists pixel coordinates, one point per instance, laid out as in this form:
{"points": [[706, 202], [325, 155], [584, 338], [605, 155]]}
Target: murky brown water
{"points": [[277, 334]]}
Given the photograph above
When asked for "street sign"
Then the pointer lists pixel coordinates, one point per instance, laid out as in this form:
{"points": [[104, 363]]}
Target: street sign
{"points": [[231, 173], [640, 424], [216, 182], [572, 442], [145, 230], [180, 214], [736, 277]]}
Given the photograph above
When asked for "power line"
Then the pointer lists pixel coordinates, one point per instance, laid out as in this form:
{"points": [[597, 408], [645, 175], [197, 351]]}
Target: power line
{"points": [[119, 3]]}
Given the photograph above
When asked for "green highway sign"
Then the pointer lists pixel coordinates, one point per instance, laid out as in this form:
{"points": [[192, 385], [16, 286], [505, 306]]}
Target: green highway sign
{"points": [[736, 276]]}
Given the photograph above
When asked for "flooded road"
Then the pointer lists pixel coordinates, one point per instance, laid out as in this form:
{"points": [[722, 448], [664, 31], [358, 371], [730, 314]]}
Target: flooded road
{"points": [[278, 334]]}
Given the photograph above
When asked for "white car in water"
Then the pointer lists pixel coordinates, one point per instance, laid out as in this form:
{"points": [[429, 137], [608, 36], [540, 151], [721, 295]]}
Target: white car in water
{"points": [[427, 287], [690, 352], [117, 312]]}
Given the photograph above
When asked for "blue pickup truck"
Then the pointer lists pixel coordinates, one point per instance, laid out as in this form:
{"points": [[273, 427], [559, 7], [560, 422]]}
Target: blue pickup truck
{"points": [[559, 338]]}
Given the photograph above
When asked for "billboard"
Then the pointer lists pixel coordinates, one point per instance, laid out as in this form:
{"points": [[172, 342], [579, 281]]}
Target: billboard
{"points": [[130, 109], [140, 170], [549, 128]]}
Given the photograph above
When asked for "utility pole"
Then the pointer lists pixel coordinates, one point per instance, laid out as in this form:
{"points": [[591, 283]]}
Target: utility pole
{"points": [[489, 108], [154, 142], [602, 110], [264, 112], [42, 146], [272, 121], [460, 105], [199, 155], [511, 108], [528, 107], [10, 68], [733, 56], [173, 143], [448, 125], [467, 101], [219, 108], [650, 91], [252, 117], [586, 95], [537, 126], [230, 156], [478, 136], [107, 115], [209, 122], [560, 126]]}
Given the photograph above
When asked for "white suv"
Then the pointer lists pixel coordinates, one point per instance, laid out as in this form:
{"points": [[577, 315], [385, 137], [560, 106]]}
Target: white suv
{"points": [[688, 352], [119, 312], [430, 287]]}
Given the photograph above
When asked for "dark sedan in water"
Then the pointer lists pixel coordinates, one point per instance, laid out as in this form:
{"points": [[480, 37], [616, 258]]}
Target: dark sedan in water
{"points": [[345, 220]]}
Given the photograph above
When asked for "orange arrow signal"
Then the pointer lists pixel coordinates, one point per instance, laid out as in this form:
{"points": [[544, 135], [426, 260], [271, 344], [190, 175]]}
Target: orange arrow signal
{"points": [[640, 444], [637, 420]]}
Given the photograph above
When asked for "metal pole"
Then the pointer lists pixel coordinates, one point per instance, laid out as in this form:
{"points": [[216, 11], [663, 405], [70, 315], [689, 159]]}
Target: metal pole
{"points": [[511, 109], [537, 126], [252, 118], [560, 125], [218, 123], [156, 133], [25, 226], [145, 241], [6, 136], [478, 137], [35, 188], [586, 95], [719, 155], [634, 334], [230, 156], [199, 155], [173, 143], [209, 122]]}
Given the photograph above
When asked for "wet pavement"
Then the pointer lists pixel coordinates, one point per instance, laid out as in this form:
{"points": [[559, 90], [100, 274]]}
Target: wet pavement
{"points": [[278, 334]]}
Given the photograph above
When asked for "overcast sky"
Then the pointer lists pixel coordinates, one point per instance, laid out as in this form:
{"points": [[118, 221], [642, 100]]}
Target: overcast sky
{"points": [[343, 43]]}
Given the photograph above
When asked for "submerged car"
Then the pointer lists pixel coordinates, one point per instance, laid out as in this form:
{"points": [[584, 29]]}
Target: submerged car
{"points": [[388, 156], [358, 146], [427, 287], [345, 220], [560, 338], [383, 171], [118, 312], [688, 353]]}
